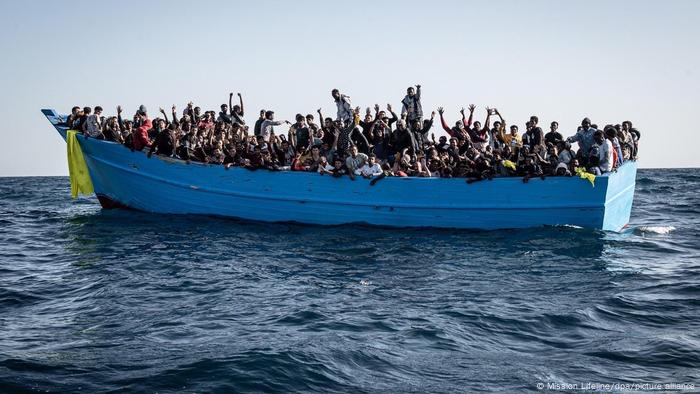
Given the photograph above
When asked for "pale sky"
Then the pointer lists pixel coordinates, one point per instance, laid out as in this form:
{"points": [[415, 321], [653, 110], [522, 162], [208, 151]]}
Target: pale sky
{"points": [[560, 60]]}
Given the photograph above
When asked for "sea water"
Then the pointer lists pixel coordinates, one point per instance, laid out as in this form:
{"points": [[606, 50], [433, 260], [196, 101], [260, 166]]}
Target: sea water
{"points": [[94, 301]]}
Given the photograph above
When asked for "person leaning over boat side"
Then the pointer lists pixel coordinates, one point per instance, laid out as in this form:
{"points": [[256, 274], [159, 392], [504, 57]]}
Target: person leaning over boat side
{"points": [[267, 125], [411, 108], [339, 168], [371, 168], [324, 167], [584, 136], [342, 102]]}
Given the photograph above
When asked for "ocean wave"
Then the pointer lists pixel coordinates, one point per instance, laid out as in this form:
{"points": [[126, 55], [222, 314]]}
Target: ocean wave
{"points": [[661, 230], [128, 301]]}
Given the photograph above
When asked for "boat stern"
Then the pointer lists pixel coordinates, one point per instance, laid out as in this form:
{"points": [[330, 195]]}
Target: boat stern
{"points": [[619, 197]]}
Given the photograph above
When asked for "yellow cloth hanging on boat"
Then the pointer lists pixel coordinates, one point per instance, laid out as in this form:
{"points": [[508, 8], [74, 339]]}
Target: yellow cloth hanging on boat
{"points": [[581, 172], [80, 181], [509, 164]]}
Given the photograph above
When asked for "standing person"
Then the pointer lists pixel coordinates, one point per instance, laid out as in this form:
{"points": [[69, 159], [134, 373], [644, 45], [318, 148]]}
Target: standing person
{"points": [[236, 110], [535, 135], [605, 152], [314, 130], [347, 135], [258, 123], [420, 132], [344, 107], [584, 136], [266, 127], [299, 135], [635, 134], [412, 108], [553, 137], [402, 138], [480, 136], [611, 135], [498, 129]]}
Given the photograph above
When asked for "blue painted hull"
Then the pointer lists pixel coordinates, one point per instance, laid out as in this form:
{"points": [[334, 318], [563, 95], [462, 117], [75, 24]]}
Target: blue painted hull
{"points": [[164, 185]]}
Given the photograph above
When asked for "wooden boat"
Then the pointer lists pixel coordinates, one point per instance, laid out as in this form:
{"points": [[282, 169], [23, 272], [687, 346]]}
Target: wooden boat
{"points": [[126, 179]]}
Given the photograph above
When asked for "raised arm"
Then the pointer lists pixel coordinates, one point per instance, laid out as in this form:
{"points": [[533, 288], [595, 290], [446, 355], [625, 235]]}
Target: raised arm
{"points": [[502, 129], [119, 118], [362, 136], [165, 116], [174, 112], [445, 126], [468, 123], [425, 127], [240, 99], [487, 122], [230, 103], [394, 118]]}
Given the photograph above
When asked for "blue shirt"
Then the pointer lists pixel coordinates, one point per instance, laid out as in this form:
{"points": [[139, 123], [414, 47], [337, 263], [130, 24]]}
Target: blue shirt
{"points": [[584, 138]]}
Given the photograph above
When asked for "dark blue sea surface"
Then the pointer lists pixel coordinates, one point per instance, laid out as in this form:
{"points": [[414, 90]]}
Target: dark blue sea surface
{"points": [[123, 301]]}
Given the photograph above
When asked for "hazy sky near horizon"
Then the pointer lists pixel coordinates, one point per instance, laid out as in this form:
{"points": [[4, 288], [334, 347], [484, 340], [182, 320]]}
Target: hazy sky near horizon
{"points": [[561, 60]]}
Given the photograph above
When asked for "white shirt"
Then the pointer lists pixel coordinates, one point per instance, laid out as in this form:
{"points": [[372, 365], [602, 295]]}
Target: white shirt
{"points": [[605, 154], [266, 128], [368, 170], [344, 109], [325, 167]]}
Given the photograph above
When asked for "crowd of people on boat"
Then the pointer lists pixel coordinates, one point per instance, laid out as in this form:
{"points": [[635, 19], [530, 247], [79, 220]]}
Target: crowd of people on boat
{"points": [[372, 144]]}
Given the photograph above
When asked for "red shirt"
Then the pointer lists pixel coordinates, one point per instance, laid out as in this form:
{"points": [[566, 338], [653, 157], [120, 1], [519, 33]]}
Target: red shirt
{"points": [[141, 139]]}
